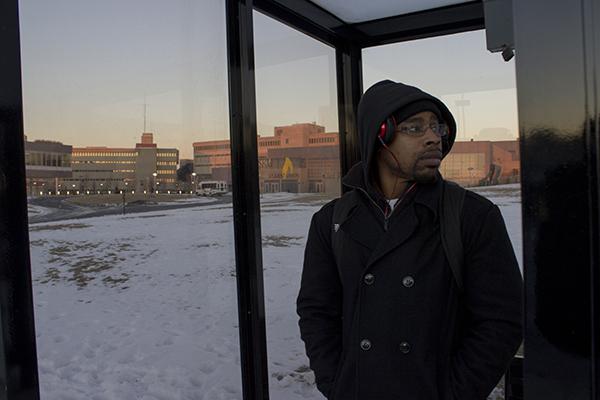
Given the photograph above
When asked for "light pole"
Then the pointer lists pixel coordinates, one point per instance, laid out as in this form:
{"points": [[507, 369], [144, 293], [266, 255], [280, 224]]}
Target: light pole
{"points": [[194, 182], [461, 104], [154, 182]]}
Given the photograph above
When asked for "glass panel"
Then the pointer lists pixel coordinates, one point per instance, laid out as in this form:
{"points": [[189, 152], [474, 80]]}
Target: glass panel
{"points": [[299, 167], [133, 273], [479, 89]]}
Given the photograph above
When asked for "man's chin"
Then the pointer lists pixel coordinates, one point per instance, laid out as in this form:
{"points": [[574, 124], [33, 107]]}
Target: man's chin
{"points": [[430, 175]]}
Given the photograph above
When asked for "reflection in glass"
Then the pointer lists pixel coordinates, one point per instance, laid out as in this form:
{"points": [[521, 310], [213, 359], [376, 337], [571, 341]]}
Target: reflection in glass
{"points": [[299, 171], [133, 273]]}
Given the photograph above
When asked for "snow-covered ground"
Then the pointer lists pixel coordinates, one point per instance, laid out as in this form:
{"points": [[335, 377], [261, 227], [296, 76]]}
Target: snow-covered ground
{"points": [[33, 210], [143, 306]]}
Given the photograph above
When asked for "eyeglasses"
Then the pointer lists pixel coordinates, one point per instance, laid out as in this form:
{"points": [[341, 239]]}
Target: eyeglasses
{"points": [[416, 129]]}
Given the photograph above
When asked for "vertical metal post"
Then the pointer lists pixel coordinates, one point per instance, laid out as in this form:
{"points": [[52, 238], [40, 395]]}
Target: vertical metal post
{"points": [[557, 70], [18, 359], [591, 23], [246, 203], [349, 87]]}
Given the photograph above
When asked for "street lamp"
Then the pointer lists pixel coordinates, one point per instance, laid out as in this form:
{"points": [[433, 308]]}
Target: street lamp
{"points": [[194, 181], [154, 181]]}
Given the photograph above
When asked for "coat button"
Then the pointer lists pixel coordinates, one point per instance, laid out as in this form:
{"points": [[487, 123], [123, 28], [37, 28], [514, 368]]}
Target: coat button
{"points": [[369, 279], [408, 281], [405, 347], [365, 344]]}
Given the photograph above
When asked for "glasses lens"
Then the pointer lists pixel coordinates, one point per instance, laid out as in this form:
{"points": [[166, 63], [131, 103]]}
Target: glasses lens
{"points": [[441, 129], [420, 129], [411, 129]]}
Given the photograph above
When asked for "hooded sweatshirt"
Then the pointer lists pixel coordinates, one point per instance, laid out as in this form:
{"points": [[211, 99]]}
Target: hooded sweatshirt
{"points": [[379, 102]]}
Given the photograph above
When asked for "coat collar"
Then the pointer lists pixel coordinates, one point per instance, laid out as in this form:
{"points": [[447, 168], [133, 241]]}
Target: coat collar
{"points": [[374, 238], [427, 194], [354, 227], [398, 234], [355, 178]]}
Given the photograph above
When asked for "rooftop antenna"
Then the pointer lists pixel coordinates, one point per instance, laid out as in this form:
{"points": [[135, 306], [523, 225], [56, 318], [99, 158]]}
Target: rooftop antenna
{"points": [[145, 113]]}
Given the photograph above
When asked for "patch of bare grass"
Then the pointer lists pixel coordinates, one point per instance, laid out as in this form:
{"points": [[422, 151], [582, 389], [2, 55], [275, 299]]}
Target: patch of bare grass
{"points": [[59, 227], [84, 262], [281, 241]]}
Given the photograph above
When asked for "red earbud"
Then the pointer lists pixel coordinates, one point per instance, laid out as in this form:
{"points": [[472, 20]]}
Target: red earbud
{"points": [[382, 130]]}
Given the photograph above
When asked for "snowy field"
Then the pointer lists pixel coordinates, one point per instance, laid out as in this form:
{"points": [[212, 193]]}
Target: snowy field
{"points": [[143, 306], [37, 211]]}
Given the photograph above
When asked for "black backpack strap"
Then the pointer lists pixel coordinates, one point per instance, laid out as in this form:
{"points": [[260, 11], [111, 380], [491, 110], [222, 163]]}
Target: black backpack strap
{"points": [[451, 205]]}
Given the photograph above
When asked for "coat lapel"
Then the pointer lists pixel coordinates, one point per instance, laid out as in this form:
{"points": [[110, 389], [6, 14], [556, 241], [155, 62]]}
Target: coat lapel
{"points": [[359, 227], [403, 227]]}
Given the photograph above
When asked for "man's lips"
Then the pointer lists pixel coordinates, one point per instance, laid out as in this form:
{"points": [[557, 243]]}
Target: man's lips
{"points": [[431, 158]]}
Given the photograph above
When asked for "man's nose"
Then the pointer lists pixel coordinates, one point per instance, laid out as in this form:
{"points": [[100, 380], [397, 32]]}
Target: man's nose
{"points": [[431, 137]]}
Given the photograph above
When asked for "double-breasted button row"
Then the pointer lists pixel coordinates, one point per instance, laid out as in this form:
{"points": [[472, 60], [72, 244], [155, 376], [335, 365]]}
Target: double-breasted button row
{"points": [[408, 281], [366, 345]]}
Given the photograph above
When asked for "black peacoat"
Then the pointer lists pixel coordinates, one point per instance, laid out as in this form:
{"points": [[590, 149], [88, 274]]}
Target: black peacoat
{"points": [[381, 314]]}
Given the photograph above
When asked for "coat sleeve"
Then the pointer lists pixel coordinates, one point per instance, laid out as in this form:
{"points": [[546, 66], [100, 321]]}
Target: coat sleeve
{"points": [[319, 303], [493, 299]]}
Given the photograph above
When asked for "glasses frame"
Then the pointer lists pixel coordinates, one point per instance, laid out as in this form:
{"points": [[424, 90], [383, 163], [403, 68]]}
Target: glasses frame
{"points": [[440, 129]]}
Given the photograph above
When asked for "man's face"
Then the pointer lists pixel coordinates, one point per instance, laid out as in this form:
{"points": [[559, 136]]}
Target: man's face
{"points": [[419, 156]]}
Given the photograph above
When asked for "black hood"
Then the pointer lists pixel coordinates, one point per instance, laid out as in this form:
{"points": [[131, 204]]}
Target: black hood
{"points": [[383, 99], [379, 102]]}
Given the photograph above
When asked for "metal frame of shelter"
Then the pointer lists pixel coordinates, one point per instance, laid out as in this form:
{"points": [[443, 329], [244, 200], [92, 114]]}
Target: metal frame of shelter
{"points": [[557, 67]]}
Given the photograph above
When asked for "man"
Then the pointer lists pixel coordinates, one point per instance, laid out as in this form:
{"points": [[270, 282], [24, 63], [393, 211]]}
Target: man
{"points": [[382, 314]]}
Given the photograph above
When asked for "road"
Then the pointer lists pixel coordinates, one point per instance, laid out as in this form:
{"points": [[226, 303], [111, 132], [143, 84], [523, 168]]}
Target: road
{"points": [[59, 208]]}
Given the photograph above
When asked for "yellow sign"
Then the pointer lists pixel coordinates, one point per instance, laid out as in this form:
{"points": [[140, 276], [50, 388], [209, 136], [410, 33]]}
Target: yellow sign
{"points": [[287, 168]]}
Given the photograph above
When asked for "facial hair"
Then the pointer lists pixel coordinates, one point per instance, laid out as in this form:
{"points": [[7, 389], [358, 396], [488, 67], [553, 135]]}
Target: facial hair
{"points": [[424, 176]]}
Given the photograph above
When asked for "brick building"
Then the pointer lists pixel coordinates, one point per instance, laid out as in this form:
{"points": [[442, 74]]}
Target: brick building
{"points": [[478, 163], [298, 158]]}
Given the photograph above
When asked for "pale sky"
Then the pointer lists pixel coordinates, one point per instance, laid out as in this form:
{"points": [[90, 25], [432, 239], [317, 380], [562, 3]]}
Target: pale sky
{"points": [[89, 67]]}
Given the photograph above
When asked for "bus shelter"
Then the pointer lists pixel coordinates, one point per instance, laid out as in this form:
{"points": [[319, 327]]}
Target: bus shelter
{"points": [[554, 47]]}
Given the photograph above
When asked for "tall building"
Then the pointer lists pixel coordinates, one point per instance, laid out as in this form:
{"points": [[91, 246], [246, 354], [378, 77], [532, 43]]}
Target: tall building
{"points": [[297, 158], [143, 168], [47, 163]]}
